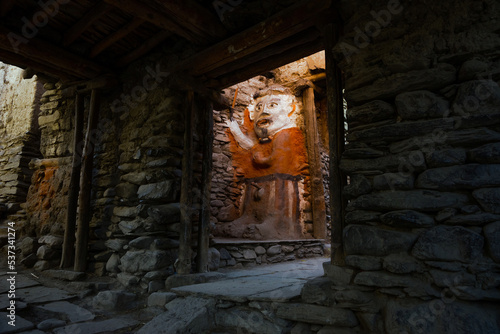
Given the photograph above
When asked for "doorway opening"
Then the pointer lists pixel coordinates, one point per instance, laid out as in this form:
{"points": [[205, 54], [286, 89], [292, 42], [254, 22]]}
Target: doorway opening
{"points": [[270, 189]]}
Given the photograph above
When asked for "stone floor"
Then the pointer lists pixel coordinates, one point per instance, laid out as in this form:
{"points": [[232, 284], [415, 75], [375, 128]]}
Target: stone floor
{"points": [[45, 304]]}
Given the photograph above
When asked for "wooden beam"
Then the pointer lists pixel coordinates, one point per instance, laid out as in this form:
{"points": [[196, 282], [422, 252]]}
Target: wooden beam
{"points": [[278, 27], [144, 48], [39, 67], [84, 206], [267, 65], [159, 19], [316, 176], [281, 47], [92, 15], [46, 53], [206, 186], [6, 6], [186, 202], [115, 37], [193, 16], [336, 139], [68, 254]]}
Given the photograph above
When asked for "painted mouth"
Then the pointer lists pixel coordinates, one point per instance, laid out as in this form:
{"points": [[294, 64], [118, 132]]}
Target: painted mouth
{"points": [[264, 123]]}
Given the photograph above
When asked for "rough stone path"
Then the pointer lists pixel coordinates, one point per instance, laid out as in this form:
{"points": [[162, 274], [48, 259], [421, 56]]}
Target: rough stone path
{"points": [[49, 305]]}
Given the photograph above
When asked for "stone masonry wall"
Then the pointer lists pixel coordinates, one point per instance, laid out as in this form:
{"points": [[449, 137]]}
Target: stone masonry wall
{"points": [[422, 223], [19, 137]]}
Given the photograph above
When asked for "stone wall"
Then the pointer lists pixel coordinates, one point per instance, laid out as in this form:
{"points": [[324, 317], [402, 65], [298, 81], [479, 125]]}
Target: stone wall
{"points": [[19, 137], [422, 223]]}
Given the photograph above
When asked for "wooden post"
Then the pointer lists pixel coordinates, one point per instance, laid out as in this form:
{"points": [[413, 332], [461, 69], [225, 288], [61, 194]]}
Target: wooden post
{"points": [[186, 229], [206, 180], [336, 139], [317, 189], [85, 211], [74, 186]]}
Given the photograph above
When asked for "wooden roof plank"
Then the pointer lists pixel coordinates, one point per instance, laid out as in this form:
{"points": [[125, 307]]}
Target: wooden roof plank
{"points": [[44, 52], [278, 27], [193, 16], [113, 38], [159, 19], [144, 48], [6, 6], [92, 15]]}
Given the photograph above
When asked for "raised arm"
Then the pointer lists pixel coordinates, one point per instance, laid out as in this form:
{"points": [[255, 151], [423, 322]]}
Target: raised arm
{"points": [[244, 141]]}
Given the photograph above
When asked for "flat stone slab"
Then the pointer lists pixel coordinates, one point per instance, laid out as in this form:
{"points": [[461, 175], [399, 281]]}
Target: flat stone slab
{"points": [[109, 325], [41, 294], [175, 281], [73, 312], [5, 302], [21, 324], [239, 289], [66, 275], [186, 315], [283, 294], [302, 269], [21, 282]]}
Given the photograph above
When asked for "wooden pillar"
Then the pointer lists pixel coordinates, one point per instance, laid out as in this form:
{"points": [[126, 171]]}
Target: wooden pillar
{"points": [[186, 228], [317, 189], [336, 139], [206, 180], [68, 253], [85, 210]]}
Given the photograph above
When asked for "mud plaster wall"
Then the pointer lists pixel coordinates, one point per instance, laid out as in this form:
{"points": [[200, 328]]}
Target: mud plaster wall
{"points": [[226, 188], [19, 137]]}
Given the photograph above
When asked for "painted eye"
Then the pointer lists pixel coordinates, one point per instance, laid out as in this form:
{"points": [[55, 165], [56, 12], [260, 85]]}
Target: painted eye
{"points": [[273, 105], [259, 107]]}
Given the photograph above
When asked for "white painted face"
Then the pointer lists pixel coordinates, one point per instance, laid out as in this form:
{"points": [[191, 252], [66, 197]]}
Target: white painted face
{"points": [[271, 114]]}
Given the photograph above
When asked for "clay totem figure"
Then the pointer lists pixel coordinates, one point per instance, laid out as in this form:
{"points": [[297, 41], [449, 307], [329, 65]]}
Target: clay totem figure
{"points": [[269, 154]]}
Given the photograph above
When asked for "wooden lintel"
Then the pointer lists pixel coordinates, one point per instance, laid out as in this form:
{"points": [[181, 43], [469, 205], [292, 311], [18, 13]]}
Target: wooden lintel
{"points": [[267, 65], [159, 19], [6, 6], [115, 37], [46, 53], [193, 16], [278, 48], [278, 27], [144, 48], [38, 67], [92, 15]]}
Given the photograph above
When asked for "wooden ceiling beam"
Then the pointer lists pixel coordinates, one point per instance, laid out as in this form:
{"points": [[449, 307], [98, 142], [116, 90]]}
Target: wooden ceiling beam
{"points": [[269, 64], [193, 16], [115, 37], [38, 67], [159, 19], [92, 15], [289, 43], [278, 27], [6, 6], [54, 56], [144, 48]]}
